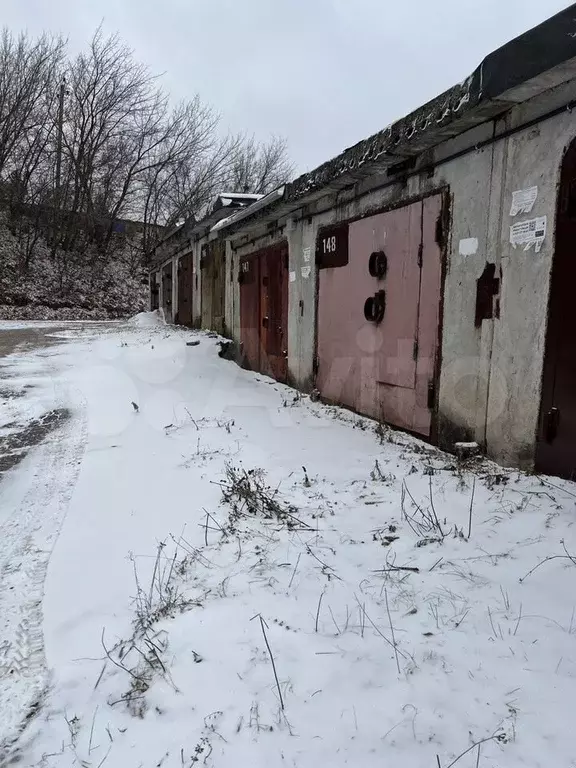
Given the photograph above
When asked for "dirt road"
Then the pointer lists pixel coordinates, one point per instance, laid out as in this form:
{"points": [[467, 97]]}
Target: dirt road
{"points": [[18, 435], [31, 337]]}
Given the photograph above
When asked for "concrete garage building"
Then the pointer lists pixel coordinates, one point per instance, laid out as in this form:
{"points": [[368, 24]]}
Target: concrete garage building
{"points": [[424, 276], [187, 267]]}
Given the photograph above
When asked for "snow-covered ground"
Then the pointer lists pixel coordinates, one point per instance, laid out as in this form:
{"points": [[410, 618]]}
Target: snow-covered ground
{"points": [[201, 567]]}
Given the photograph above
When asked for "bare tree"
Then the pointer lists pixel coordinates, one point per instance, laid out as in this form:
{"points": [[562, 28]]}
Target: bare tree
{"points": [[184, 188], [29, 71], [75, 164], [260, 167], [27, 68]]}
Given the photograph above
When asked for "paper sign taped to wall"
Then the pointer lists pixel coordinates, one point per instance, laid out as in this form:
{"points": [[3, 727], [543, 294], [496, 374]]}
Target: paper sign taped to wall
{"points": [[292, 277], [307, 255], [468, 246], [306, 272], [523, 200], [529, 233]]}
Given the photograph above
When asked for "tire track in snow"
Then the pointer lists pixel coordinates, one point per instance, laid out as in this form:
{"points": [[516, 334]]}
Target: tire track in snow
{"points": [[27, 539]]}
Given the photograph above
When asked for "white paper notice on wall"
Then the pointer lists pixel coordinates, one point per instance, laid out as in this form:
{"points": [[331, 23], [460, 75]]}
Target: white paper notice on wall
{"points": [[292, 277], [528, 233], [306, 272], [307, 254], [523, 200], [468, 246]]}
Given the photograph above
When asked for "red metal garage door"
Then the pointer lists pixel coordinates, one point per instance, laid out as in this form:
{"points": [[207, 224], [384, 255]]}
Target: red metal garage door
{"points": [[556, 449], [250, 319], [167, 291], [274, 307], [384, 368], [264, 311]]}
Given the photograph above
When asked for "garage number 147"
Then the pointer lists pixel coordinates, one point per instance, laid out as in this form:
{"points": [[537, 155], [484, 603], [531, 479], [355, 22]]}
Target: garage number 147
{"points": [[329, 244]]}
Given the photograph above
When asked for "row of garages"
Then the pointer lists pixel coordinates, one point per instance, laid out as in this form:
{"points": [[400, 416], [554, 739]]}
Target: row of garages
{"points": [[423, 277]]}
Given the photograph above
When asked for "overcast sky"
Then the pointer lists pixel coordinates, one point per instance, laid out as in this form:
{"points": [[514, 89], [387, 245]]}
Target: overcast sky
{"points": [[322, 73]]}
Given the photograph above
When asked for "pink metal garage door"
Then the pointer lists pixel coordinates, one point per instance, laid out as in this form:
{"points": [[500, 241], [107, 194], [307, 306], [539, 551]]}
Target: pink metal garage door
{"points": [[385, 369]]}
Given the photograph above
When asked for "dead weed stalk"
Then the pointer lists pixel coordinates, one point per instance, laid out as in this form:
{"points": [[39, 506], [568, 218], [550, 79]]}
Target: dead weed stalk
{"points": [[423, 521], [567, 556], [142, 656], [247, 494]]}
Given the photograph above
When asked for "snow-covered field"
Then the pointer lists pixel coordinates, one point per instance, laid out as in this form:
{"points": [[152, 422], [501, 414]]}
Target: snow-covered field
{"points": [[201, 567]]}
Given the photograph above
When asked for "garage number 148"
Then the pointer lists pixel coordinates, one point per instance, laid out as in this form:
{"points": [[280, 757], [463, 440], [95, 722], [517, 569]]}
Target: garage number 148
{"points": [[329, 244]]}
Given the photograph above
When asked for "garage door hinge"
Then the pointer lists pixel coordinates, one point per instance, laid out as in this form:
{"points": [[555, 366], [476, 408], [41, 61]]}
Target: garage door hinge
{"points": [[415, 351], [420, 252]]}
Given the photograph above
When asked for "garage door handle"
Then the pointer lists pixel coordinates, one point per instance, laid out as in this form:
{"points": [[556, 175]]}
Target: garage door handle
{"points": [[264, 322], [431, 395], [552, 420]]}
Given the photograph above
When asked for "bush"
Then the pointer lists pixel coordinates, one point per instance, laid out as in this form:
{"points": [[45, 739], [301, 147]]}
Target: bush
{"points": [[71, 286]]}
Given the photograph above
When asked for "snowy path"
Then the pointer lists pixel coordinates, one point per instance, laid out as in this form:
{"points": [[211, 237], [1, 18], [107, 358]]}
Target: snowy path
{"points": [[33, 504], [397, 638]]}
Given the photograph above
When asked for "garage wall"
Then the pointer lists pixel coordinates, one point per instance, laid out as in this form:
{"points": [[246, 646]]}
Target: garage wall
{"points": [[532, 158], [490, 379], [197, 282], [475, 204], [232, 294], [490, 375], [155, 278], [302, 303]]}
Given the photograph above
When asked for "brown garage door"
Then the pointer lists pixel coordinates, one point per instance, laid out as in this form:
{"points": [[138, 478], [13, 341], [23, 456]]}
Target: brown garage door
{"points": [[556, 449], [167, 291], [185, 289], [250, 317], [264, 311]]}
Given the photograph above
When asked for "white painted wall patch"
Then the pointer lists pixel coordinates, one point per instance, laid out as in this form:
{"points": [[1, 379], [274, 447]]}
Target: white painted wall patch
{"points": [[292, 277], [306, 272], [307, 254], [468, 246], [528, 233], [523, 200]]}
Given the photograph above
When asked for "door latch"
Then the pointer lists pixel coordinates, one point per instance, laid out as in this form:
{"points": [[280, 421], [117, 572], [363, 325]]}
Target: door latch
{"points": [[551, 422], [264, 322], [431, 395]]}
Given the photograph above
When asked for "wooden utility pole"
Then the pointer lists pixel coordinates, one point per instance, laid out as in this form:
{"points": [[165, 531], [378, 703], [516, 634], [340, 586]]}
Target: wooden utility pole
{"points": [[59, 140], [57, 203]]}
